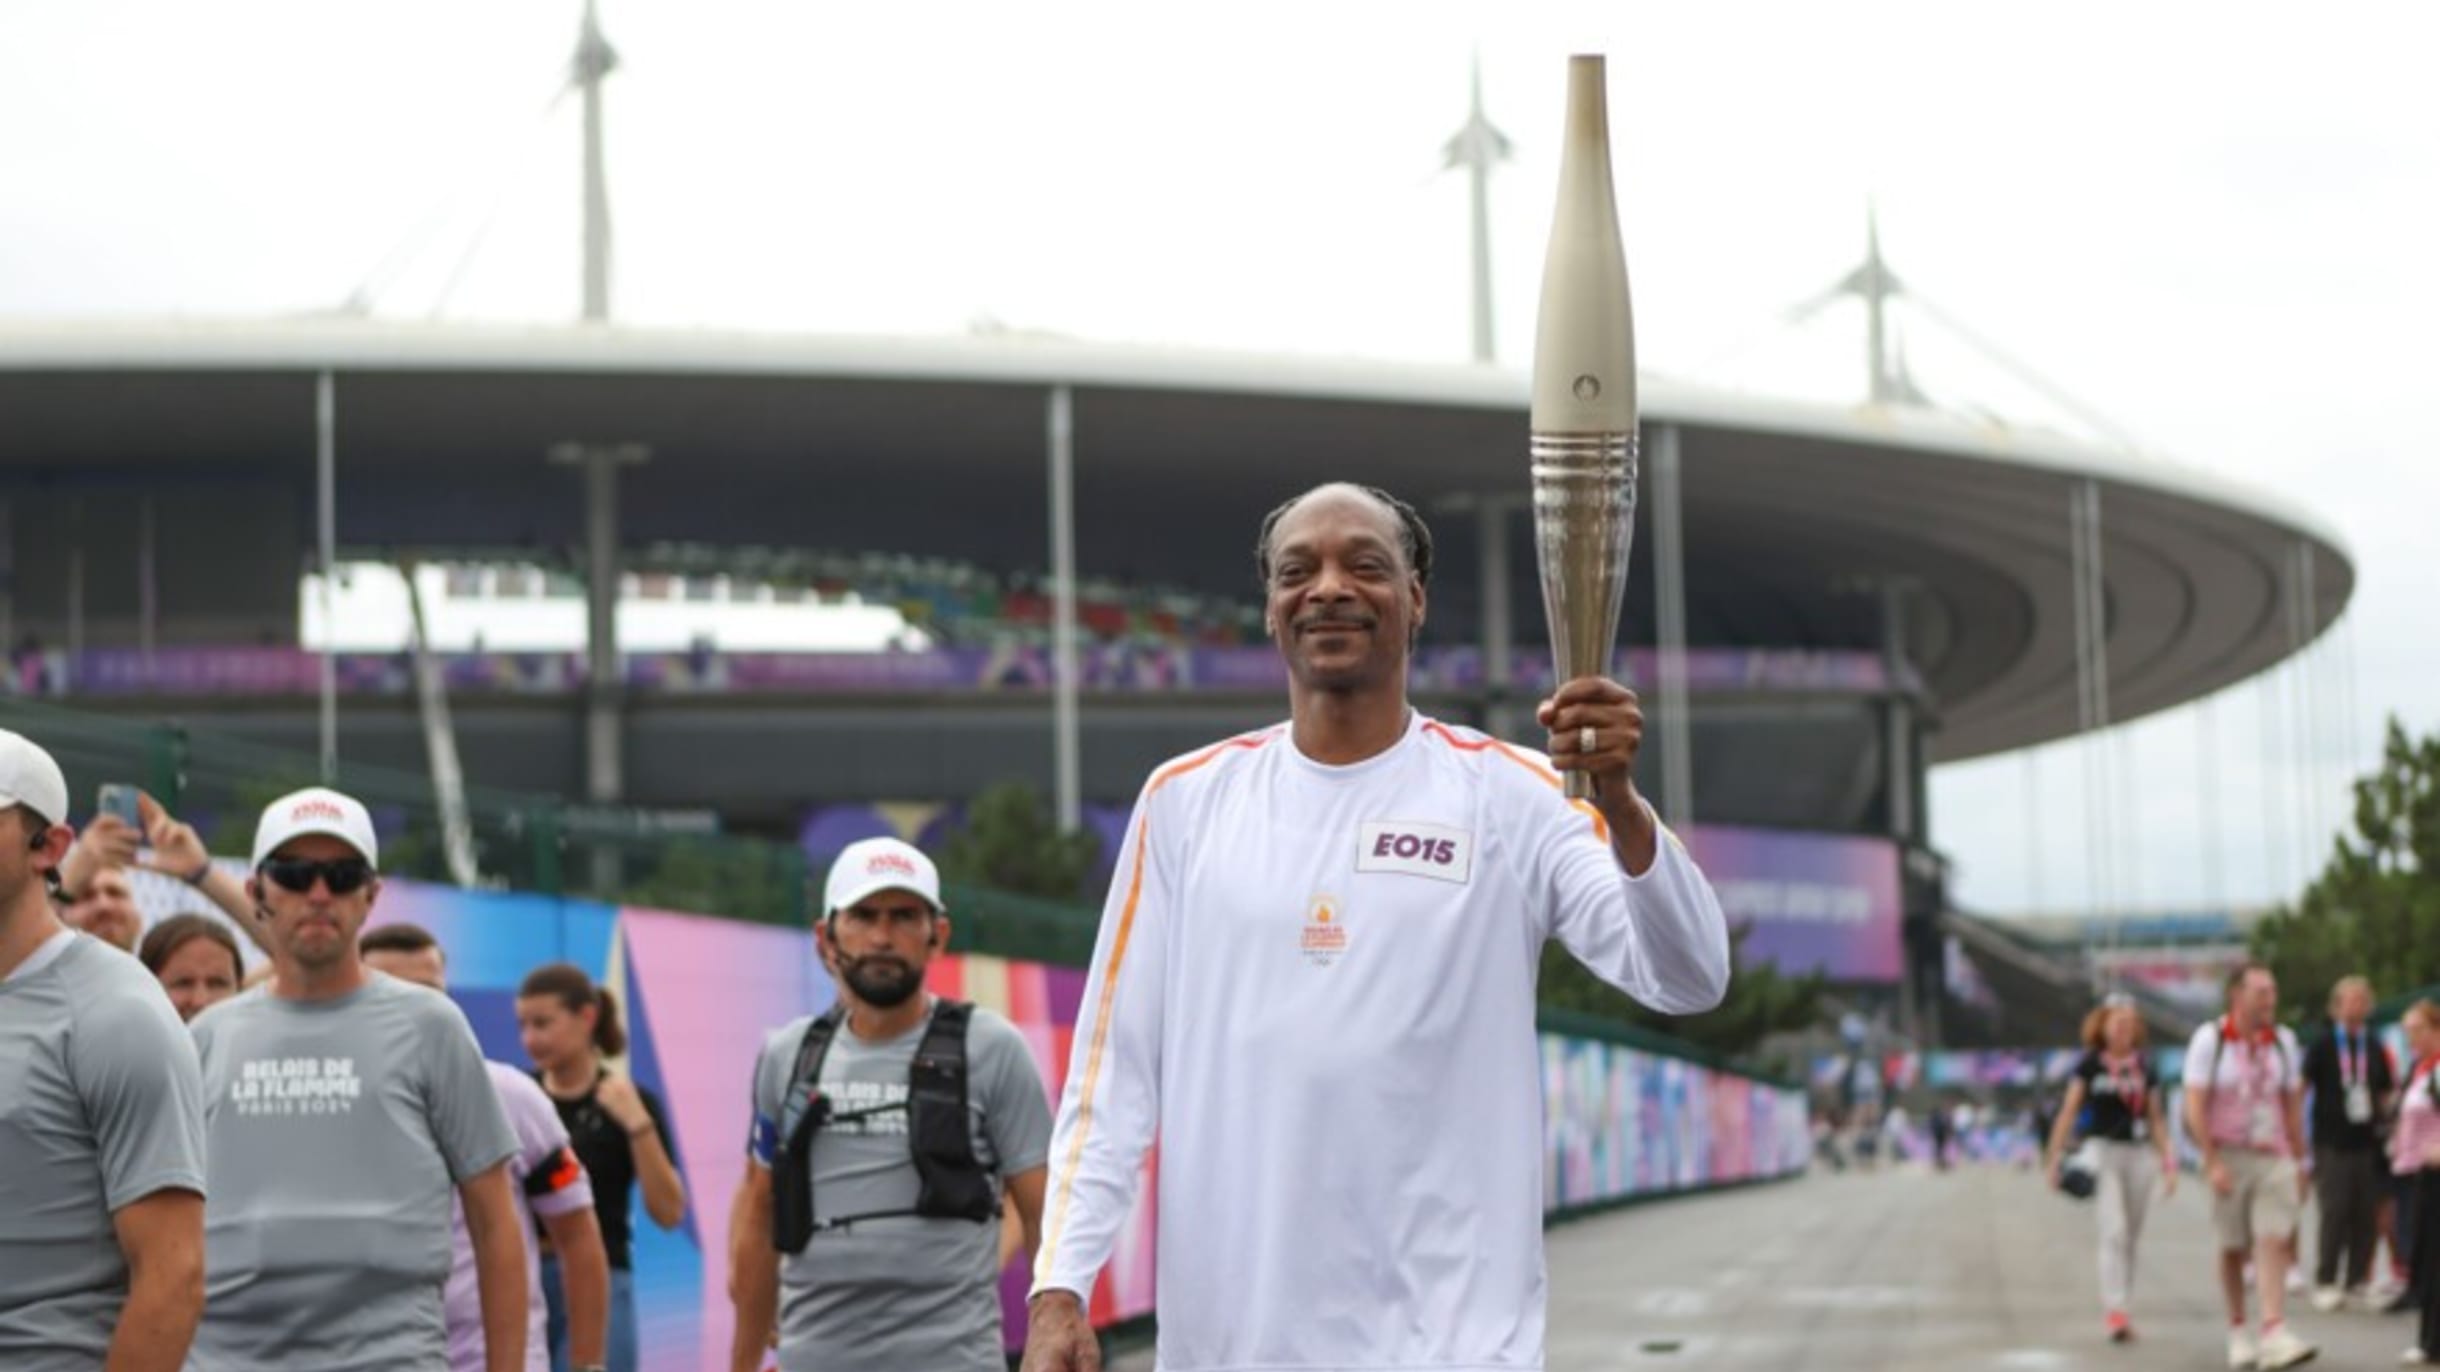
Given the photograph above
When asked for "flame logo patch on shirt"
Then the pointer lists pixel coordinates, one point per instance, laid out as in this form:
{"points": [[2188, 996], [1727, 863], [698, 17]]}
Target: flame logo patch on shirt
{"points": [[1325, 936]]}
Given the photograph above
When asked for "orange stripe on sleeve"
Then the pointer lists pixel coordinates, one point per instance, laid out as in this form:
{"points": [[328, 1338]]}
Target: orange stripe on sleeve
{"points": [[1549, 778], [1068, 1165]]}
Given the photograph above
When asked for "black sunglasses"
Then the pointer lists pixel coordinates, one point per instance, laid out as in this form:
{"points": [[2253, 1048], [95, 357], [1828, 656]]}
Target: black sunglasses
{"points": [[341, 875]]}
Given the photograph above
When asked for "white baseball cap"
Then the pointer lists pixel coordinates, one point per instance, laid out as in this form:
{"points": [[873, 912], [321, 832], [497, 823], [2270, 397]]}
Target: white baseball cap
{"points": [[29, 777], [879, 864], [316, 810]]}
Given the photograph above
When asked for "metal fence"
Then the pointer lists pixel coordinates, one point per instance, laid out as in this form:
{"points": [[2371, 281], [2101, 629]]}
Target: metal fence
{"points": [[521, 841]]}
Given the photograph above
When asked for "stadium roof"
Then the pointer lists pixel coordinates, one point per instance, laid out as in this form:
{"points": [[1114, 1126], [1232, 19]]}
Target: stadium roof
{"points": [[936, 447]]}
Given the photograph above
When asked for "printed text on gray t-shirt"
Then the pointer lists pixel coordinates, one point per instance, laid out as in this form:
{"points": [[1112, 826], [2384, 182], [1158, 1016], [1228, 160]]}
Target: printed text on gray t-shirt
{"points": [[337, 1131]]}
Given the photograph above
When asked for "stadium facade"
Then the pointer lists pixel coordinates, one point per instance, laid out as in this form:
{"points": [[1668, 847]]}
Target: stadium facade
{"points": [[1858, 592]]}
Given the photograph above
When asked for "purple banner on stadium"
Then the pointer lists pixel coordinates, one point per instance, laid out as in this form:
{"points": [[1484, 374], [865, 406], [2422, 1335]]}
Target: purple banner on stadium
{"points": [[1827, 902], [1021, 667]]}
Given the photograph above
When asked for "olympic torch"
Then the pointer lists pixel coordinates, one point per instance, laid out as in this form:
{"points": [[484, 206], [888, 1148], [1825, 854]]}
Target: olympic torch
{"points": [[1583, 443]]}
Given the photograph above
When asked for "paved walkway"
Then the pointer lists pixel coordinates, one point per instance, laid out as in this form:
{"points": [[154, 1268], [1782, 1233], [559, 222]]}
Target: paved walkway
{"points": [[1896, 1271]]}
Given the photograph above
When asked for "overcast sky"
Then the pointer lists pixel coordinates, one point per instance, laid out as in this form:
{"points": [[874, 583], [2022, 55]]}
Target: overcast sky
{"points": [[2215, 224]]}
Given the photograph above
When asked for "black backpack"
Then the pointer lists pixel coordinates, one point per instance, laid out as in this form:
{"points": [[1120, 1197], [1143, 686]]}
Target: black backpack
{"points": [[954, 1182]]}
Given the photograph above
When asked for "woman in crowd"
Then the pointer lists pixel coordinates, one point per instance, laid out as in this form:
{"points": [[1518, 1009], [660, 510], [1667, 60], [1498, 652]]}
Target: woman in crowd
{"points": [[2414, 1151], [569, 1025], [196, 959], [2113, 1099]]}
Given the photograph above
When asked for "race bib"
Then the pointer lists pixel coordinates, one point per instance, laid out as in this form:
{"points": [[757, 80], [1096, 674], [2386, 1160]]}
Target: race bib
{"points": [[2359, 1104], [1416, 850]]}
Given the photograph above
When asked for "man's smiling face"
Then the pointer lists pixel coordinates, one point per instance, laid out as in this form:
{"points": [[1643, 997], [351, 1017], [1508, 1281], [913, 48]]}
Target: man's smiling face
{"points": [[1342, 601]]}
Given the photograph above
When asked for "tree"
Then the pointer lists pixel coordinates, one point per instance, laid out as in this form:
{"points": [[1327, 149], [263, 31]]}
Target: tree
{"points": [[2375, 909], [738, 878], [1011, 843], [231, 828], [1761, 1001]]}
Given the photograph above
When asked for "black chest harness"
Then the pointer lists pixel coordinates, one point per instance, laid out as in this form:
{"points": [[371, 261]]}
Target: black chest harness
{"points": [[954, 1183]]}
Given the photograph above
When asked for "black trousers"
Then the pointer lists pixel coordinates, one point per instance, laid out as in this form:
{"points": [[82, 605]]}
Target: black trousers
{"points": [[2427, 1258], [2348, 1182], [2401, 1195]]}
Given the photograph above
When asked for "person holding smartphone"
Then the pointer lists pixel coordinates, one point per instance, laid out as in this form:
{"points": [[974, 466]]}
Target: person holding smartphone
{"points": [[126, 821]]}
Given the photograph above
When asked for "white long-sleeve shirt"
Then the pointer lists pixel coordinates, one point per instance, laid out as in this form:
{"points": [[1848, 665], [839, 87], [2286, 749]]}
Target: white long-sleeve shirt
{"points": [[1316, 984]]}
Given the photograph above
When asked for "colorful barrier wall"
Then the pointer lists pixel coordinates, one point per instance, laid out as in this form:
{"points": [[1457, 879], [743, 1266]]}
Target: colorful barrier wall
{"points": [[1619, 1122]]}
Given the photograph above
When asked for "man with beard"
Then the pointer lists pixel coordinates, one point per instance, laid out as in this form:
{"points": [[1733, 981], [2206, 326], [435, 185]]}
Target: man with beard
{"points": [[885, 1132]]}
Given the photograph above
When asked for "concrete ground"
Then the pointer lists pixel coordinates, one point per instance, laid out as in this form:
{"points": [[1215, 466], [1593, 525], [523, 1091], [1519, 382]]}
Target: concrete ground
{"points": [[1903, 1270]]}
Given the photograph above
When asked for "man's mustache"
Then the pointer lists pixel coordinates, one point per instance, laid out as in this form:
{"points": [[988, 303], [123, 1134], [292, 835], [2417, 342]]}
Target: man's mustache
{"points": [[1333, 619]]}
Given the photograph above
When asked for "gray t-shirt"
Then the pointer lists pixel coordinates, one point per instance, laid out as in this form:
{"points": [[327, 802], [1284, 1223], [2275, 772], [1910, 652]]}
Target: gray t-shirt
{"points": [[905, 1291], [100, 1106], [338, 1131]]}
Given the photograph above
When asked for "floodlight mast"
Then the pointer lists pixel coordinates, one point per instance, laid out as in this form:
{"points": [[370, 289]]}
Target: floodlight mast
{"points": [[595, 60], [1477, 147]]}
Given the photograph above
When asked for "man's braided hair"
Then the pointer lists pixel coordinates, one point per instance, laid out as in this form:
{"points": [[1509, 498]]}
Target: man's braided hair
{"points": [[1414, 536]]}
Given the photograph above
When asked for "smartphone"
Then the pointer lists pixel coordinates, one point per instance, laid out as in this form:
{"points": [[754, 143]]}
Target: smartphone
{"points": [[119, 798]]}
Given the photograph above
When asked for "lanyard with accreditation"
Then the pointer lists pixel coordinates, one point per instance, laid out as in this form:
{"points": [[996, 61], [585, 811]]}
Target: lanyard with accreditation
{"points": [[2358, 1082], [2259, 1091]]}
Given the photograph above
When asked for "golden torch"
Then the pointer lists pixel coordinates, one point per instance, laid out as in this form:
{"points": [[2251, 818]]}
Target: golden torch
{"points": [[1584, 401]]}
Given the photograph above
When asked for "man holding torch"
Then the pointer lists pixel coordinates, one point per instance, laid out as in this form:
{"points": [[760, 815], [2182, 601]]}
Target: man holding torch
{"points": [[1315, 974], [1315, 981]]}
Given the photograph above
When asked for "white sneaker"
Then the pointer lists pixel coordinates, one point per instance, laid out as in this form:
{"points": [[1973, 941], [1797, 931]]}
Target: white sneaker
{"points": [[2412, 1357], [2241, 1353], [2284, 1349], [2328, 1298]]}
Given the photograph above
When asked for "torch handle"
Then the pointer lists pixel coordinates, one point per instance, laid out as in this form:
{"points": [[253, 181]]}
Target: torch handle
{"points": [[1584, 530]]}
